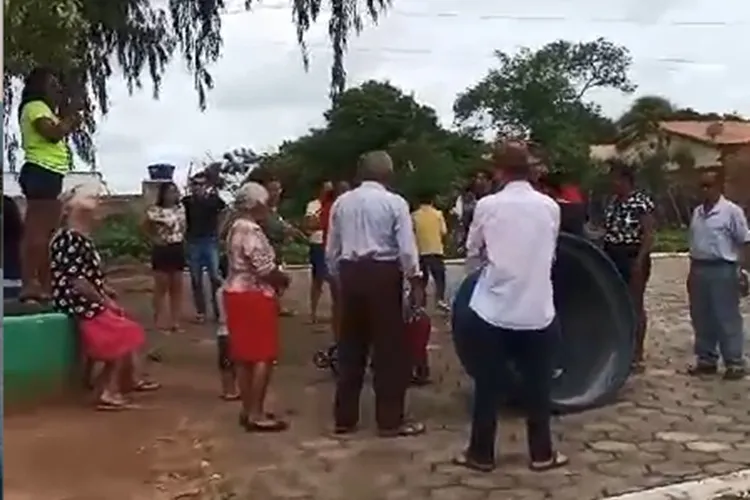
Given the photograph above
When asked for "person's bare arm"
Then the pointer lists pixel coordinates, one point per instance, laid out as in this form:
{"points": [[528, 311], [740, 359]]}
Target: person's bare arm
{"points": [[89, 291], [741, 235], [408, 254], [648, 228], [475, 244], [333, 243]]}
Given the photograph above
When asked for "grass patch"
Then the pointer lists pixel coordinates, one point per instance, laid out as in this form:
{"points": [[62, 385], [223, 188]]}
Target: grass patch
{"points": [[671, 240]]}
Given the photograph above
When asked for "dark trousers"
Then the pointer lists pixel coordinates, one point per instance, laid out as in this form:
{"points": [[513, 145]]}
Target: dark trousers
{"points": [[485, 350], [372, 321], [432, 265]]}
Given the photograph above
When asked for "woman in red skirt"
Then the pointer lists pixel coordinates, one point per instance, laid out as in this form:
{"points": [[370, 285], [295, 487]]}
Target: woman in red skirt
{"points": [[251, 291], [79, 290]]}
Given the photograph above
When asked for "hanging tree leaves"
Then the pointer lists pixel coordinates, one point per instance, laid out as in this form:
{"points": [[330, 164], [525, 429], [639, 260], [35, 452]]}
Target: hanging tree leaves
{"points": [[91, 41]]}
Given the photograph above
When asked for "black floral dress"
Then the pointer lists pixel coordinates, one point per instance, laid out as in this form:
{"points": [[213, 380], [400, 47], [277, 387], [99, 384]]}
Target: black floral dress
{"points": [[623, 231], [73, 256]]}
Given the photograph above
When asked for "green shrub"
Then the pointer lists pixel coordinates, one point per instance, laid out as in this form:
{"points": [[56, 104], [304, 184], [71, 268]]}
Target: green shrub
{"points": [[120, 236]]}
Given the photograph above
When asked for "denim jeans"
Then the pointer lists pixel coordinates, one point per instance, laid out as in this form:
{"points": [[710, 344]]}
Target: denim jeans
{"points": [[715, 313], [485, 350], [203, 253]]}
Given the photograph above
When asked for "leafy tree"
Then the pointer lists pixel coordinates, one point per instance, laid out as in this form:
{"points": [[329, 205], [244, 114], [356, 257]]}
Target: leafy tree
{"points": [[542, 95], [375, 115], [642, 119], [86, 39]]}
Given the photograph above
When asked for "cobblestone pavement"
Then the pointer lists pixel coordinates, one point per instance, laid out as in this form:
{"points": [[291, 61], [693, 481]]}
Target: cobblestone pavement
{"points": [[665, 428]]}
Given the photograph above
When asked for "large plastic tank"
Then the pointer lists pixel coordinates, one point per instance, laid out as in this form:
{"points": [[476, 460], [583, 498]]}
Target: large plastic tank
{"points": [[598, 327]]}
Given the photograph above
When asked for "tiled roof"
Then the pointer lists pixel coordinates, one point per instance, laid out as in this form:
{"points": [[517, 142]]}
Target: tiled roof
{"points": [[724, 133]]}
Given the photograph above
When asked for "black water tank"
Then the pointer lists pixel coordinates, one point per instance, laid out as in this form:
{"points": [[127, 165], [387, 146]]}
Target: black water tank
{"points": [[598, 328]]}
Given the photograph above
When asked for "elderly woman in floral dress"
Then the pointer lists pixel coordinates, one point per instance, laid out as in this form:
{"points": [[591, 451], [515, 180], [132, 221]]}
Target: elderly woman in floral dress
{"points": [[251, 291], [80, 291]]}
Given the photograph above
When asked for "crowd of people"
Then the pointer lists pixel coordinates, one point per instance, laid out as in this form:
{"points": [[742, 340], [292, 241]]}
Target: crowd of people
{"points": [[375, 256]]}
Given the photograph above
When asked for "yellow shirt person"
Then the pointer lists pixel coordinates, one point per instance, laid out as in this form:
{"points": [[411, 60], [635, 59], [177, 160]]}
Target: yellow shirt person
{"points": [[430, 229]]}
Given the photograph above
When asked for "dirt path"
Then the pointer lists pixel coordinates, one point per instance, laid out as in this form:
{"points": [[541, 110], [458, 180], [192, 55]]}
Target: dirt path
{"points": [[185, 443]]}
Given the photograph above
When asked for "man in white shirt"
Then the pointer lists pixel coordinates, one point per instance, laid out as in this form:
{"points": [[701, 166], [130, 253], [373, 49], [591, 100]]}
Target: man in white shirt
{"points": [[370, 250], [514, 233]]}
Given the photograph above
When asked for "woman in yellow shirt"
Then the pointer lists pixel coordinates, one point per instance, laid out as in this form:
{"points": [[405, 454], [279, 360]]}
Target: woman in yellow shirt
{"points": [[47, 159]]}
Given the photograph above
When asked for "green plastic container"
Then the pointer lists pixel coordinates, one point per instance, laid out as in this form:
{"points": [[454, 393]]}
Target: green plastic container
{"points": [[40, 357]]}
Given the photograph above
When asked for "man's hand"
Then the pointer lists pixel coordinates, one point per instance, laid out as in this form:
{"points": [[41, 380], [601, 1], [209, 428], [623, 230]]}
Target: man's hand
{"points": [[744, 283], [417, 291]]}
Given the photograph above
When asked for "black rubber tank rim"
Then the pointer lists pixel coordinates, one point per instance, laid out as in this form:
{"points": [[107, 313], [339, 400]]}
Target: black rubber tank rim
{"points": [[598, 323]]}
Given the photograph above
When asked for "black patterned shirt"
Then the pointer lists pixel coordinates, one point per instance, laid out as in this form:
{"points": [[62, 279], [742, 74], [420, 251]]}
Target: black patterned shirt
{"points": [[73, 256], [622, 219]]}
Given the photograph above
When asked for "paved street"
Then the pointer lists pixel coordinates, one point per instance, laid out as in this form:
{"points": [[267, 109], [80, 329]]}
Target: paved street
{"points": [[666, 427]]}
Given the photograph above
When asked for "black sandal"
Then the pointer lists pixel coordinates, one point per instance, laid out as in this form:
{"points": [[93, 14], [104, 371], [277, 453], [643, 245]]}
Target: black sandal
{"points": [[407, 429], [558, 460], [464, 460], [345, 430]]}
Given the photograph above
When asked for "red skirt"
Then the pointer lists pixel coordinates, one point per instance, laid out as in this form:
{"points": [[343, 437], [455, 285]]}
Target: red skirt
{"points": [[109, 336], [253, 325], [418, 332]]}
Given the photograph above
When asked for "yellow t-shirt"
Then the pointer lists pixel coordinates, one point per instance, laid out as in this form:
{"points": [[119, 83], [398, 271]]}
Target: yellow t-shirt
{"points": [[53, 156], [429, 229]]}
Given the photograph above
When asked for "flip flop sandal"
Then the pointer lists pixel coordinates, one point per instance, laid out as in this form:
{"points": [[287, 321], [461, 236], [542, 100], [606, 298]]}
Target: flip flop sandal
{"points": [[405, 430], [463, 460], [230, 397], [146, 386], [558, 460], [114, 406], [271, 426]]}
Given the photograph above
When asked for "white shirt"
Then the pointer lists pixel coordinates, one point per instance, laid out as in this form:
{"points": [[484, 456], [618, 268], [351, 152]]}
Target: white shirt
{"points": [[313, 210], [515, 232], [370, 222]]}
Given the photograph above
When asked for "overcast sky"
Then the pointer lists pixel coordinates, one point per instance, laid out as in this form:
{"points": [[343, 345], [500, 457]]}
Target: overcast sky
{"points": [[433, 48]]}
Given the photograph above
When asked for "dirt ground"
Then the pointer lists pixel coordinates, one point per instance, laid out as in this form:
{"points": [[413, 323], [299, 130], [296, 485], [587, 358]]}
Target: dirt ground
{"points": [[185, 443]]}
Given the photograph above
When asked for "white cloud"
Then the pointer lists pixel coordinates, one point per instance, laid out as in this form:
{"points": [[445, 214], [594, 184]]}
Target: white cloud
{"points": [[263, 95]]}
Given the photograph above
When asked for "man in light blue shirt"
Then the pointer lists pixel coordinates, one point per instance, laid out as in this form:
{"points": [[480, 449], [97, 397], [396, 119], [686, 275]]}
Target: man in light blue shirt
{"points": [[719, 238], [370, 251]]}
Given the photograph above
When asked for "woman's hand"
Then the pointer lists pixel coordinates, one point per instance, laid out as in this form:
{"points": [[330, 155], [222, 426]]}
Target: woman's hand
{"points": [[109, 291], [113, 306]]}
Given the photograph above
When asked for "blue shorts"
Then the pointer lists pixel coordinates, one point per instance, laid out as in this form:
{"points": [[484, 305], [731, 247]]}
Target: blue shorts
{"points": [[318, 262]]}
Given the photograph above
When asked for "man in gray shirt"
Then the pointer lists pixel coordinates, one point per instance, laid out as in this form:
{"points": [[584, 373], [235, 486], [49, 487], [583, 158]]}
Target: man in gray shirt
{"points": [[719, 239]]}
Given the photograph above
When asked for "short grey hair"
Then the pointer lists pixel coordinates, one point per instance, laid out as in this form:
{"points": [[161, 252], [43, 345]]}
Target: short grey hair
{"points": [[249, 195], [375, 164]]}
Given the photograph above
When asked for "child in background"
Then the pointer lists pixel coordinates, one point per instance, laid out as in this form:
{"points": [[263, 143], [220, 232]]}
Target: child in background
{"points": [[229, 390], [418, 329]]}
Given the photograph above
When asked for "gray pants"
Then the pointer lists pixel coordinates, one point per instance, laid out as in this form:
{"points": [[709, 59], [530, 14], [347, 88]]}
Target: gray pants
{"points": [[715, 313]]}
